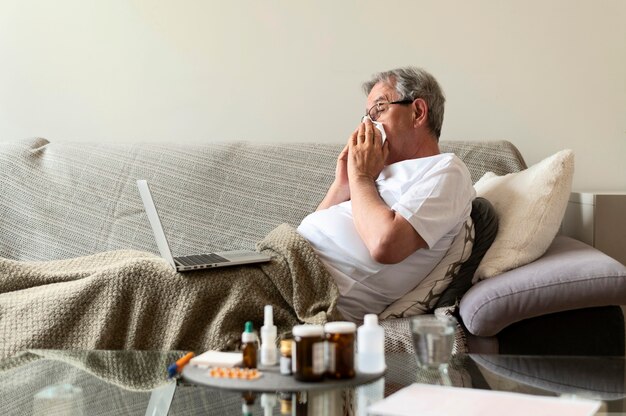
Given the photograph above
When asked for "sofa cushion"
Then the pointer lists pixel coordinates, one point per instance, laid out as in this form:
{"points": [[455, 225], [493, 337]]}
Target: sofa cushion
{"points": [[530, 205], [423, 297], [500, 157], [65, 199], [485, 230], [570, 275]]}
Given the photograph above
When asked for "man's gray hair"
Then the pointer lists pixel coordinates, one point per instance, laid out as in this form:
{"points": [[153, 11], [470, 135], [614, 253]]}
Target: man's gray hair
{"points": [[412, 83]]}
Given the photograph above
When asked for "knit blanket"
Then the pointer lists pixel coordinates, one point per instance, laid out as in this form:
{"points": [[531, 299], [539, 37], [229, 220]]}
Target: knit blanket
{"points": [[134, 300]]}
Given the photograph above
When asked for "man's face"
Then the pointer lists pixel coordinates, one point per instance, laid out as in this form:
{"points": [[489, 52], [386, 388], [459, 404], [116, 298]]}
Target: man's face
{"points": [[397, 121]]}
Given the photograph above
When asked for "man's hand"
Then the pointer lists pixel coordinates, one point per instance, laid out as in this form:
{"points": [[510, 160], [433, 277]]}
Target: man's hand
{"points": [[387, 235], [367, 154], [363, 157], [341, 171]]}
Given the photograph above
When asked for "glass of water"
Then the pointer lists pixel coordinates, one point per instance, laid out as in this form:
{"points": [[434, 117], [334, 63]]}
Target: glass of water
{"points": [[433, 339]]}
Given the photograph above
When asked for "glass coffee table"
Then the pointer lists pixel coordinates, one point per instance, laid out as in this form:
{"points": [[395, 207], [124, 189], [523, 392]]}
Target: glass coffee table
{"points": [[42, 382]]}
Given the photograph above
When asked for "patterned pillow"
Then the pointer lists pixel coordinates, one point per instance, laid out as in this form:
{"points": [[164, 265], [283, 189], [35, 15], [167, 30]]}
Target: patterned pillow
{"points": [[485, 231], [423, 297]]}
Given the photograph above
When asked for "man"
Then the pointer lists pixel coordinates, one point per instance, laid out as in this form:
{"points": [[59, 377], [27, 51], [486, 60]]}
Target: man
{"points": [[394, 208]]}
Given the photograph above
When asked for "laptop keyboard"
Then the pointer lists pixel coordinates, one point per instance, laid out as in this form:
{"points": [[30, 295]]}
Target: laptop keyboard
{"points": [[200, 259]]}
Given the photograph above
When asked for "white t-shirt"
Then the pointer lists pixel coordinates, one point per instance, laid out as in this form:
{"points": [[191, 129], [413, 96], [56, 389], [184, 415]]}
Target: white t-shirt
{"points": [[433, 193]]}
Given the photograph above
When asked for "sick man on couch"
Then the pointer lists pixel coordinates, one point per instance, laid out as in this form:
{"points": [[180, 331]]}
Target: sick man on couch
{"points": [[386, 221], [394, 208]]}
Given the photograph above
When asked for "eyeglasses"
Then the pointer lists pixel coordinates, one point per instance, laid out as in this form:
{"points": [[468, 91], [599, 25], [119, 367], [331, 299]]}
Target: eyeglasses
{"points": [[380, 107]]}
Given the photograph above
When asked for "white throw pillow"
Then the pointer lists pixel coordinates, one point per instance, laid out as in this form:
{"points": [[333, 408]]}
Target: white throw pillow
{"points": [[424, 296], [530, 205]]}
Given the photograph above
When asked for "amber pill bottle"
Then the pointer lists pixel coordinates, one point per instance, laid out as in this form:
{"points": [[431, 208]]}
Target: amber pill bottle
{"points": [[340, 338], [249, 346], [307, 353]]}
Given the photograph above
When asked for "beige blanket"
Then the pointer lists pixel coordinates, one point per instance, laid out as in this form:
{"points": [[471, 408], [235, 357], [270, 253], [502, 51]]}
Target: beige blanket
{"points": [[134, 300]]}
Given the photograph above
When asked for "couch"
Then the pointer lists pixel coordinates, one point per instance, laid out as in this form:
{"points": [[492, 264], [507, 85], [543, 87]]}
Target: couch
{"points": [[68, 199]]}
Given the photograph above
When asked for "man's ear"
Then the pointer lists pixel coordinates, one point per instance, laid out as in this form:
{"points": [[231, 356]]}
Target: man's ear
{"points": [[420, 111]]}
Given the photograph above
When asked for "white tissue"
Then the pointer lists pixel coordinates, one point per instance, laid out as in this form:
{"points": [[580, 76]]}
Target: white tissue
{"points": [[379, 126]]}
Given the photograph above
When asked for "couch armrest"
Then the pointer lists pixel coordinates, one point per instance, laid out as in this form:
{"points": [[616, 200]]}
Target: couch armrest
{"points": [[570, 275]]}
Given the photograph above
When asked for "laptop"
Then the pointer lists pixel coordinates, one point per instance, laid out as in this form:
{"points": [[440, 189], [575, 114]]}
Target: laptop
{"points": [[193, 262]]}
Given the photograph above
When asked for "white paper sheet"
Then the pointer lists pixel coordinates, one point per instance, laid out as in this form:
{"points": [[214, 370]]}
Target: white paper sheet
{"points": [[217, 359], [430, 400]]}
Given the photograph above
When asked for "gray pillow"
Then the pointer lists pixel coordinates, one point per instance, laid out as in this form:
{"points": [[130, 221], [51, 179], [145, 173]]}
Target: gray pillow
{"points": [[570, 275]]}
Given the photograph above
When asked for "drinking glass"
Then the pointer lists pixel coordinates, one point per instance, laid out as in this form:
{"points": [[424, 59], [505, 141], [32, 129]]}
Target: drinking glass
{"points": [[433, 339]]}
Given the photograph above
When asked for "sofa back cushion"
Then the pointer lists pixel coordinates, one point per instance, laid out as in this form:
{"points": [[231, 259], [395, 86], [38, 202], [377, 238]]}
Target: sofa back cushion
{"points": [[64, 199], [67, 199], [500, 157]]}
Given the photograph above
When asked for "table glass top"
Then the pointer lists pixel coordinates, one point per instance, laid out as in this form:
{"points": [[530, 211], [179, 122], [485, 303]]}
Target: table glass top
{"points": [[134, 382]]}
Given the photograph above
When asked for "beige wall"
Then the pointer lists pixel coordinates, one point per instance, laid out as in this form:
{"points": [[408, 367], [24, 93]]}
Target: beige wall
{"points": [[545, 74]]}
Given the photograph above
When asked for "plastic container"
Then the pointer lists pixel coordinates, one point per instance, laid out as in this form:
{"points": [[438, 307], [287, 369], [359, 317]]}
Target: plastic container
{"points": [[307, 353], [340, 349], [371, 346], [268, 339]]}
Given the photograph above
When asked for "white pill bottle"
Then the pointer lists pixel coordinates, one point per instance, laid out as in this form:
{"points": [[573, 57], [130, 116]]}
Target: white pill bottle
{"points": [[370, 346]]}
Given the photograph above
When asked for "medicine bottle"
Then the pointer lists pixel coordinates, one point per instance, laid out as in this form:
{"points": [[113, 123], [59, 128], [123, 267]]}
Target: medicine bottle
{"points": [[285, 356], [249, 346], [268, 338], [340, 349], [370, 346], [307, 353]]}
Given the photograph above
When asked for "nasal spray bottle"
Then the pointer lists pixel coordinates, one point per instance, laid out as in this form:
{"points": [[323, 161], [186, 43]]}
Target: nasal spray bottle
{"points": [[268, 339]]}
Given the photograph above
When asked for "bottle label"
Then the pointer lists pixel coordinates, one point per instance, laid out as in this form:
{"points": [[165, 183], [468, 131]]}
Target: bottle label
{"points": [[331, 356], [318, 358], [285, 365]]}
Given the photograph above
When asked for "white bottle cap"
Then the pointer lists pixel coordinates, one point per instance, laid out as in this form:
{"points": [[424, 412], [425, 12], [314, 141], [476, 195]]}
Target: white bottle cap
{"points": [[248, 334], [268, 330], [268, 317], [370, 319], [307, 330], [340, 327]]}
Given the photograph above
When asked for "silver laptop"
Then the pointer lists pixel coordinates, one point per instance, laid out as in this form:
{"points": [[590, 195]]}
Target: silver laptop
{"points": [[193, 262]]}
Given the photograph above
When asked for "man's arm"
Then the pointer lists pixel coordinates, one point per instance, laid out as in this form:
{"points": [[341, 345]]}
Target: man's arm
{"points": [[339, 190], [389, 237]]}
